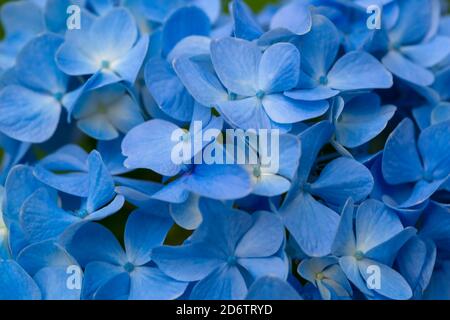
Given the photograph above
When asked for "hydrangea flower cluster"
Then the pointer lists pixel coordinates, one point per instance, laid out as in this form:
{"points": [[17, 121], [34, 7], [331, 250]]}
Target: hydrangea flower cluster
{"points": [[93, 92]]}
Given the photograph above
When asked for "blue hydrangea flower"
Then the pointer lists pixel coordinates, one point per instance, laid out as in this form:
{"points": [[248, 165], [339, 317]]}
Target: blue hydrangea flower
{"points": [[105, 113], [114, 51], [413, 45], [32, 107], [114, 273], [228, 242], [311, 223], [22, 21], [323, 77], [272, 288], [151, 146], [327, 276], [423, 162], [372, 244]]}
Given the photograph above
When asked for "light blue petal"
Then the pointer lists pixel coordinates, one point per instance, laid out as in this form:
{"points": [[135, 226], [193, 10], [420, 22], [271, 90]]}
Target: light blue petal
{"points": [[272, 288], [392, 285], [167, 90], [42, 219], [279, 68], [357, 71], [27, 115], [53, 284], [203, 181], [128, 66], [416, 262], [435, 150], [198, 260], [282, 109], [263, 239], [362, 120], [407, 70], [247, 113], [184, 22], [341, 179], [430, 53], [143, 232], [224, 283], [312, 224], [245, 24], [93, 242], [387, 251], [187, 214], [401, 162], [101, 184], [36, 67], [344, 243], [319, 47], [150, 146], [315, 94], [295, 17], [270, 185], [237, 62], [266, 266], [16, 283], [201, 81], [375, 224], [151, 284]]}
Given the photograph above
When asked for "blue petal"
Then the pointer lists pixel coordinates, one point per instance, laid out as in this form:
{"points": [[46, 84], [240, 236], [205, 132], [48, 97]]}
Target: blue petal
{"points": [[341, 179], [93, 242], [42, 219], [245, 25], [101, 184], [200, 81], [295, 17], [359, 70], [27, 115], [198, 260], [430, 53], [36, 65], [247, 113], [187, 214], [272, 288], [150, 146], [282, 109], [315, 94], [375, 224], [416, 262], [204, 181], [263, 239], [184, 22], [16, 283], [236, 62], [312, 224], [392, 285], [407, 70], [151, 284], [53, 284], [401, 162], [224, 283], [167, 90], [344, 243], [279, 68], [359, 123], [143, 232], [319, 47], [435, 150]]}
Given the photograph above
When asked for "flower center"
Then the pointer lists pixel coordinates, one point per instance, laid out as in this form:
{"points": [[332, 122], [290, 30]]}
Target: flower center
{"points": [[105, 64], [257, 171], [58, 96], [232, 261], [129, 267], [323, 80], [320, 276], [359, 255], [232, 96], [260, 94]]}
